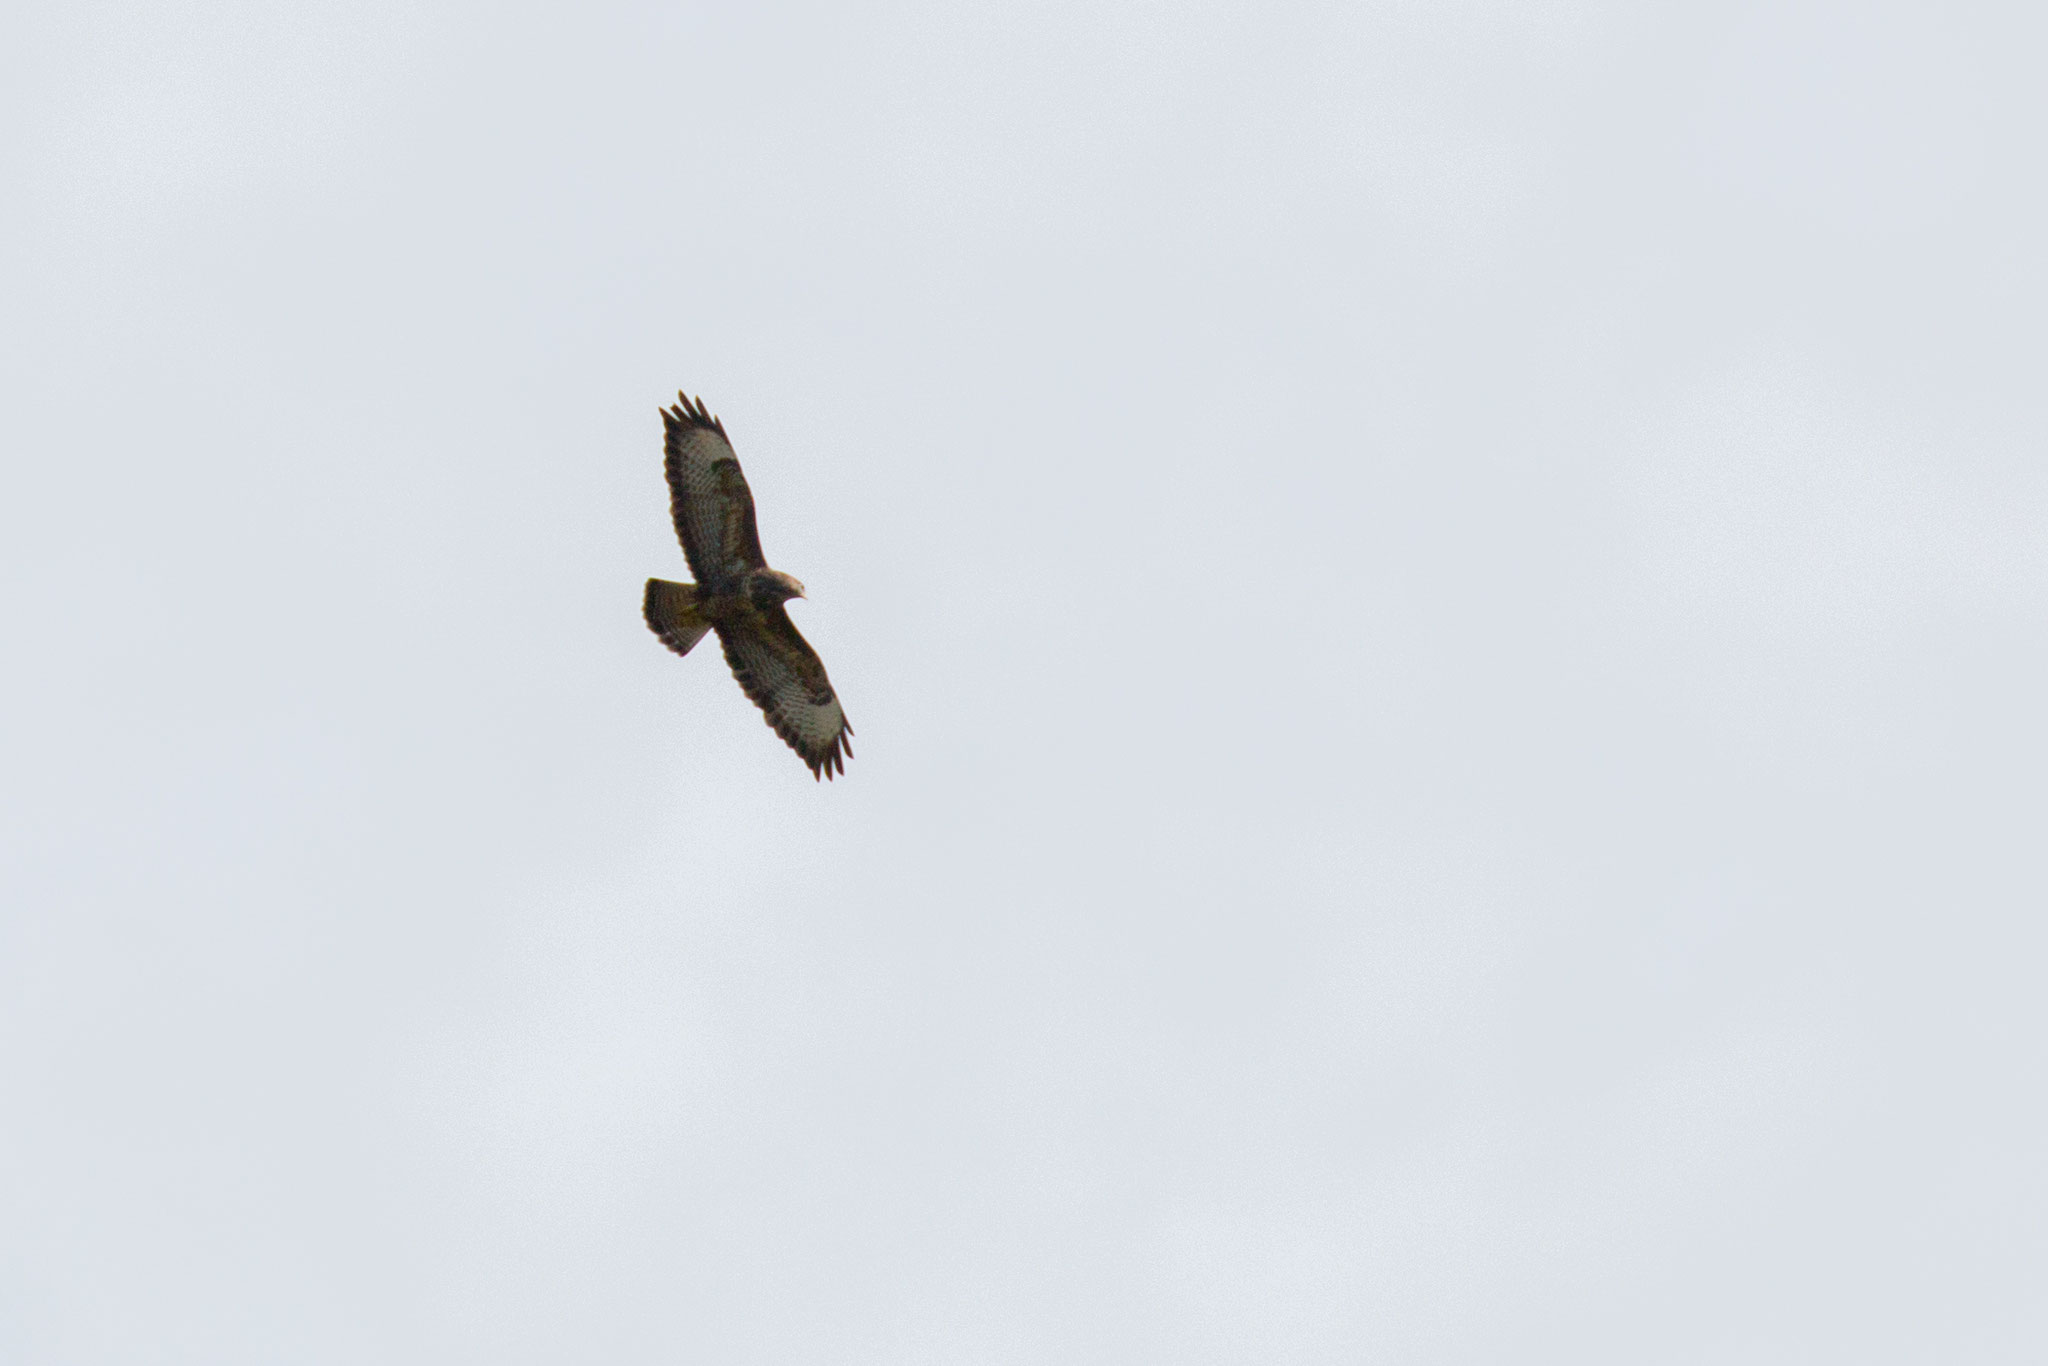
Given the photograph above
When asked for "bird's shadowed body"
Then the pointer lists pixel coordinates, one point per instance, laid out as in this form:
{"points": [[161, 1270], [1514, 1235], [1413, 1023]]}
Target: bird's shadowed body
{"points": [[738, 595]]}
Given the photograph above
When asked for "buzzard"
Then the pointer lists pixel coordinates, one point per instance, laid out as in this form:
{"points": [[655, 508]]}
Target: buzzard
{"points": [[737, 595]]}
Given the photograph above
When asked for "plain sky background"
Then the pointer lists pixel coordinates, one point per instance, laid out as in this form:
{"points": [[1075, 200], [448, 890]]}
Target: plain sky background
{"points": [[1445, 606]]}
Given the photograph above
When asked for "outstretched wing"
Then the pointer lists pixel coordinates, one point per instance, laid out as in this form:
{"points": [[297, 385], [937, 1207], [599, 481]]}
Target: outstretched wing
{"points": [[708, 497], [783, 674]]}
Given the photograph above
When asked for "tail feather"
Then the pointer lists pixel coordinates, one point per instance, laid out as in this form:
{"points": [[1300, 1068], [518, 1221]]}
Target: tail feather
{"points": [[671, 612]]}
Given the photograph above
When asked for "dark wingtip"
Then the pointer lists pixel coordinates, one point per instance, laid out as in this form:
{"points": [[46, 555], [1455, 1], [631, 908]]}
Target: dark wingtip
{"points": [[830, 764], [690, 412]]}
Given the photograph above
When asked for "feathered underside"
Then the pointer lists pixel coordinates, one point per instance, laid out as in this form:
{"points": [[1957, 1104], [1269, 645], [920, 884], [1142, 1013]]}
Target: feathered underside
{"points": [[714, 516], [708, 496], [779, 670]]}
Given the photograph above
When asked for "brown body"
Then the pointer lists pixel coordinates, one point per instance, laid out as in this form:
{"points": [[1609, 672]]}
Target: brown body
{"points": [[738, 595]]}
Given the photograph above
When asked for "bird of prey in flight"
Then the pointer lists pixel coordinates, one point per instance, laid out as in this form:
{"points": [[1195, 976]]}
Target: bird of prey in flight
{"points": [[737, 595]]}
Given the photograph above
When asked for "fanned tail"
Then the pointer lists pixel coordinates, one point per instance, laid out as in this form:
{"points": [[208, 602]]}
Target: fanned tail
{"points": [[671, 612]]}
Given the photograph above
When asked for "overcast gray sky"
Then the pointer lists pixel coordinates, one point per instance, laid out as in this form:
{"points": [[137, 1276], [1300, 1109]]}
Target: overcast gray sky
{"points": [[1445, 606]]}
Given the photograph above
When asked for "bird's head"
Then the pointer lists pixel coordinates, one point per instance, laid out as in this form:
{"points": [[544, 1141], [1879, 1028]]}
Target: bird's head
{"points": [[771, 588]]}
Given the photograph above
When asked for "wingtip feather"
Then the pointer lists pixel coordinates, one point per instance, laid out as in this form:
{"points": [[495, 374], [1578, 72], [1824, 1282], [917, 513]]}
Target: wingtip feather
{"points": [[692, 412]]}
